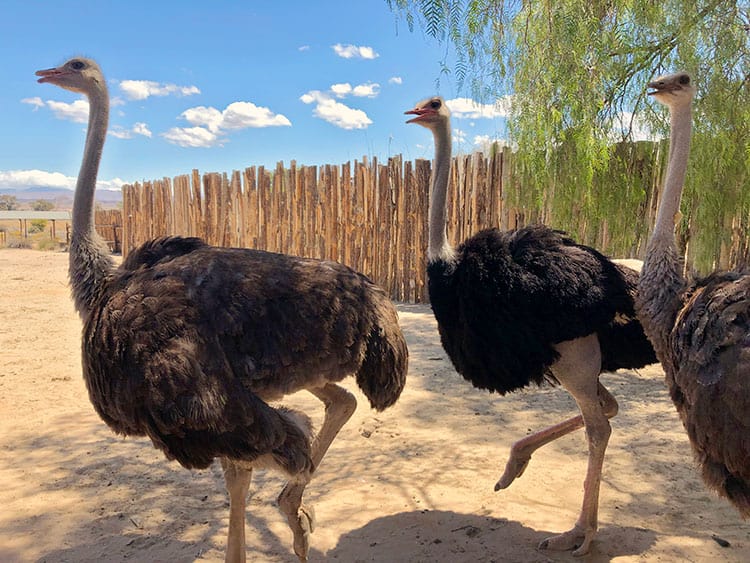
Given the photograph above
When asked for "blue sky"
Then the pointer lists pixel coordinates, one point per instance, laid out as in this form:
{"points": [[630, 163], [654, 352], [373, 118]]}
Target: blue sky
{"points": [[220, 86]]}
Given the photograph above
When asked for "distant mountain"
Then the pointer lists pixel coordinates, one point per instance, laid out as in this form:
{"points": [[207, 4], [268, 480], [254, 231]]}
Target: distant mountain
{"points": [[62, 197]]}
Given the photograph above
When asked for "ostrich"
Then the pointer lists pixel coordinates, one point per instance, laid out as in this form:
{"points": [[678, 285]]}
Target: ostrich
{"points": [[186, 343], [700, 330], [518, 307]]}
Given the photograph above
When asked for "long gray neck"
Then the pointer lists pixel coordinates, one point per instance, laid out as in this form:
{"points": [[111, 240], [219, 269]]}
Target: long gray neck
{"points": [[90, 262], [679, 150], [438, 247], [662, 283]]}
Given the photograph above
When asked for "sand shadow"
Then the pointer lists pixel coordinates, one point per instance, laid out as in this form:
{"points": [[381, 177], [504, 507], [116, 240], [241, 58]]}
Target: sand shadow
{"points": [[434, 535]]}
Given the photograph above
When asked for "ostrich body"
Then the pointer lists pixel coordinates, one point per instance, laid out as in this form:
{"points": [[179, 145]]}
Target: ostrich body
{"points": [[518, 307], [186, 343], [700, 330]]}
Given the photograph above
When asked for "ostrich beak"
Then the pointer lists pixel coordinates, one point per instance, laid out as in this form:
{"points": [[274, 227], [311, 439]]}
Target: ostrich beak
{"points": [[49, 74], [661, 87], [421, 114]]}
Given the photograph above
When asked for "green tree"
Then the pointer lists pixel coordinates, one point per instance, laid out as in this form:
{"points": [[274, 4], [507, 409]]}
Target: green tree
{"points": [[43, 205], [576, 73], [38, 226], [8, 202]]}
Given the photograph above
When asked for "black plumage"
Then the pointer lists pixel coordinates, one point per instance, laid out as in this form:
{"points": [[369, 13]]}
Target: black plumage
{"points": [[509, 296], [519, 307]]}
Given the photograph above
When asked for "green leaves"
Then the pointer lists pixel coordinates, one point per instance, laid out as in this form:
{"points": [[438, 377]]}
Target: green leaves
{"points": [[578, 71]]}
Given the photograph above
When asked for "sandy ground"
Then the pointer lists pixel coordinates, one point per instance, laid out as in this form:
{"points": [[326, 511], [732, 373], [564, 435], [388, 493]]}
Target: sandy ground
{"points": [[414, 483]]}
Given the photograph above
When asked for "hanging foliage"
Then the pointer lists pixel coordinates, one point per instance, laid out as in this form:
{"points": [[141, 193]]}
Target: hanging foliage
{"points": [[577, 73]]}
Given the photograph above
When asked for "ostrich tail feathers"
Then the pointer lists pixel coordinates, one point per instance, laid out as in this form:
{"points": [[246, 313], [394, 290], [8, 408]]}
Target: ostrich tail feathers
{"points": [[383, 373], [738, 493], [733, 488]]}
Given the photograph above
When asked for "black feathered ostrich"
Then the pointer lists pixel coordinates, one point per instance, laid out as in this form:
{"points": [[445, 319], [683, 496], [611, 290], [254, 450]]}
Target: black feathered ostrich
{"points": [[518, 307], [185, 343], [701, 329]]}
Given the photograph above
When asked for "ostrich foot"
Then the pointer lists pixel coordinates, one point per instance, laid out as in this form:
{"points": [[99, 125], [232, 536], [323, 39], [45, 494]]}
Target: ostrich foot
{"points": [[515, 467], [302, 526], [301, 518], [577, 539]]}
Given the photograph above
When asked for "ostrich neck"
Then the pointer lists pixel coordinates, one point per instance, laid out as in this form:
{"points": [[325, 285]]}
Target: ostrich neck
{"points": [[90, 262], [438, 247], [679, 149], [662, 283]]}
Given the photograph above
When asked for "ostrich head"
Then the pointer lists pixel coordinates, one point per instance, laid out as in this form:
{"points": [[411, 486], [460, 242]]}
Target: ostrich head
{"points": [[430, 113], [77, 75], [672, 89]]}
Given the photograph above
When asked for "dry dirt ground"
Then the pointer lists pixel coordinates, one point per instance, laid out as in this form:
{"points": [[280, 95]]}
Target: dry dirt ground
{"points": [[412, 484]]}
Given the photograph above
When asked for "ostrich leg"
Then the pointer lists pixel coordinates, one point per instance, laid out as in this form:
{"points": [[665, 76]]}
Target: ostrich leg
{"points": [[237, 481], [339, 407], [578, 371], [520, 452]]}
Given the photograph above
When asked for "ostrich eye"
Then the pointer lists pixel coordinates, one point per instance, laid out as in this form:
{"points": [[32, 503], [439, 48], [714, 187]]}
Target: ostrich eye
{"points": [[435, 104], [77, 65], [684, 79]]}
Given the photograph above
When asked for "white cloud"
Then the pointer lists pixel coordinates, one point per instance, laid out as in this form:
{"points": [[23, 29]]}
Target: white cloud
{"points": [[36, 101], [341, 90], [140, 128], [41, 178], [208, 117], [459, 136], [113, 184], [137, 129], [240, 115], [30, 178], [354, 51], [335, 112], [192, 137], [395, 80], [462, 108], [210, 123], [485, 142], [142, 89], [369, 90], [77, 111], [303, 48], [237, 115], [120, 133], [482, 140]]}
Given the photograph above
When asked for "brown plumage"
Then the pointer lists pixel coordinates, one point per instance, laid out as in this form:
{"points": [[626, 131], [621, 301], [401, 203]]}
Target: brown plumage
{"points": [[187, 343], [700, 329]]}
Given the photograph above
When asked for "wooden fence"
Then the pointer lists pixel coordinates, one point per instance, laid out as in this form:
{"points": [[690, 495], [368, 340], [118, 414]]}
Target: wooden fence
{"points": [[109, 225], [369, 215], [366, 215]]}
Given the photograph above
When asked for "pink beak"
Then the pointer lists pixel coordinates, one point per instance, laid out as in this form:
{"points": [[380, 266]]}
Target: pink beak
{"points": [[49, 74], [420, 113]]}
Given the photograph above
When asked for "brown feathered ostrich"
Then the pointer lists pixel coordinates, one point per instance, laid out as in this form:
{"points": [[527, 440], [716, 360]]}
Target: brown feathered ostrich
{"points": [[700, 330], [516, 307], [186, 343]]}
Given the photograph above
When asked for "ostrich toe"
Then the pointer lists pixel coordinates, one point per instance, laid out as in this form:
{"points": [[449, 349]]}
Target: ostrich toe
{"points": [[575, 539], [514, 468], [302, 528]]}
